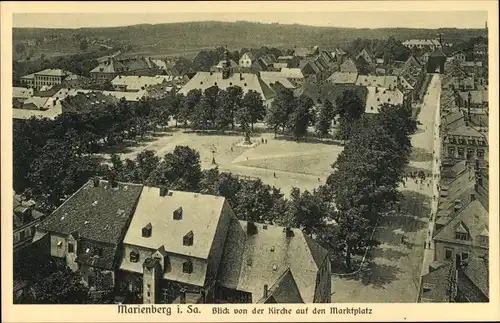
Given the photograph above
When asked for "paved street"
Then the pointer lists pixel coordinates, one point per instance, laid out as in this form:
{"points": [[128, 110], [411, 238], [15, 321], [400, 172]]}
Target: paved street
{"points": [[393, 271]]}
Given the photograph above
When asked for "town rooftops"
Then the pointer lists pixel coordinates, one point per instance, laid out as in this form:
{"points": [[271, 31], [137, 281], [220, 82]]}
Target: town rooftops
{"points": [[343, 78], [199, 214], [386, 81], [54, 72], [378, 96], [98, 213], [467, 131], [477, 97], [435, 285], [127, 96], [135, 83], [86, 102], [22, 92], [24, 114], [421, 42], [476, 269], [294, 73], [459, 189], [473, 220], [246, 81], [111, 66], [348, 66], [37, 102], [265, 255]]}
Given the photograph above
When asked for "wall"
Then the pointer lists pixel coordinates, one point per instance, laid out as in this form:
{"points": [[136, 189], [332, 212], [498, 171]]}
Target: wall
{"points": [[58, 251], [324, 283], [175, 271], [456, 248], [218, 243]]}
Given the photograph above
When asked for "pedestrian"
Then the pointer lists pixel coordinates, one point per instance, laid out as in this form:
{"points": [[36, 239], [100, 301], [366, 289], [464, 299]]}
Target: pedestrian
{"points": [[274, 174], [318, 179], [231, 149], [266, 141], [262, 140], [247, 157]]}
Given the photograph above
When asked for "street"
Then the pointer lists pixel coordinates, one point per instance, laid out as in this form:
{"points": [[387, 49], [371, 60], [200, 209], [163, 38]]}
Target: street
{"points": [[394, 268]]}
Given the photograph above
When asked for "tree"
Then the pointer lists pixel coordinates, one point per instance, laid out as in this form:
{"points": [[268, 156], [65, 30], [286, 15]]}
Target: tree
{"points": [[301, 117], [282, 106], [20, 48], [235, 96], [84, 45], [62, 287], [190, 102], [306, 210], [350, 108], [324, 121], [253, 201], [254, 105], [146, 163], [224, 111], [179, 170]]}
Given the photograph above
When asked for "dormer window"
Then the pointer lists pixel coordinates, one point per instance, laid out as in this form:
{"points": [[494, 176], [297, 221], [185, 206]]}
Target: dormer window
{"points": [[178, 213], [134, 256], [187, 267], [188, 239], [461, 236], [147, 231]]}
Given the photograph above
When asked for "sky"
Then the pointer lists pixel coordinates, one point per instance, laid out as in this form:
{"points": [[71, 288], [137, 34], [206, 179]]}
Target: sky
{"points": [[359, 19]]}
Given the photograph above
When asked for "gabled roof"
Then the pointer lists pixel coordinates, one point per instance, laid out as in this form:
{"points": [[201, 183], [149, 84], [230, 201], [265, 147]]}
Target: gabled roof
{"points": [[348, 66], [477, 270], [135, 83], [247, 82], [477, 97], [250, 261], [22, 92], [285, 290], [378, 96], [200, 215], [473, 219], [97, 213]]}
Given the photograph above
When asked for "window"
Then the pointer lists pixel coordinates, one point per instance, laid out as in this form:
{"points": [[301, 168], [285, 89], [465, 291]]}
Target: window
{"points": [[460, 152], [465, 256], [460, 236], [187, 267], [59, 244], [451, 151], [71, 248], [448, 254], [188, 239], [471, 142], [134, 256], [100, 252], [480, 153]]}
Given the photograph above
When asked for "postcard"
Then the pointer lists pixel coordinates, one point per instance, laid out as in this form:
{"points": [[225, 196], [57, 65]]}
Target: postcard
{"points": [[250, 161]]}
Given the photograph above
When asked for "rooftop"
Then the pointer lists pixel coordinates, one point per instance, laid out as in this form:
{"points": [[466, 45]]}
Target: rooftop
{"points": [[200, 214], [247, 82], [97, 213], [378, 96], [250, 261], [22, 92], [135, 83], [343, 78], [25, 114], [477, 97]]}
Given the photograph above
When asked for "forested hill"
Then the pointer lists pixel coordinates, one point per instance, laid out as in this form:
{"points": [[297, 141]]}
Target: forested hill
{"points": [[192, 35]]}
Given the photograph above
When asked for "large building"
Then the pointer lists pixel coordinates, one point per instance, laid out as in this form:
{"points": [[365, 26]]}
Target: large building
{"points": [[181, 247], [227, 78], [48, 77]]}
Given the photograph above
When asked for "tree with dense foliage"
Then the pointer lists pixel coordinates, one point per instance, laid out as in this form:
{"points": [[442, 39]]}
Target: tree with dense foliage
{"points": [[324, 120], [224, 113], [84, 45], [283, 105], [190, 102], [179, 170], [306, 210], [235, 101], [62, 287], [254, 104], [349, 108], [300, 118]]}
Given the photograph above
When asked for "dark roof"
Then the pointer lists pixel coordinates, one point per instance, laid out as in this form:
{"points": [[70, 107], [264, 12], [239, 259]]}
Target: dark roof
{"points": [[319, 253], [96, 255], [98, 213], [438, 52], [331, 91], [285, 290], [435, 285], [477, 270]]}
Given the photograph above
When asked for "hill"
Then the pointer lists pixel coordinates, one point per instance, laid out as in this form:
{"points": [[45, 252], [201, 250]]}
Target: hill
{"points": [[175, 38]]}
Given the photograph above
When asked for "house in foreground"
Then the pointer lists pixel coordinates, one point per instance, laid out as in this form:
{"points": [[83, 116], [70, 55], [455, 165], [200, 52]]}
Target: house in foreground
{"points": [[181, 247]]}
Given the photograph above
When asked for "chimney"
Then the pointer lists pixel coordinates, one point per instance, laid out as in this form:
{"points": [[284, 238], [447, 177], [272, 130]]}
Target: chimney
{"points": [[241, 76], [96, 181], [251, 228], [472, 197], [288, 232], [457, 261], [266, 291], [163, 191], [183, 296]]}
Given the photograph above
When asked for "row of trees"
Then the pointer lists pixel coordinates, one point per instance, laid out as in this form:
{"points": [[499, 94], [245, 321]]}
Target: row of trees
{"points": [[52, 158]]}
